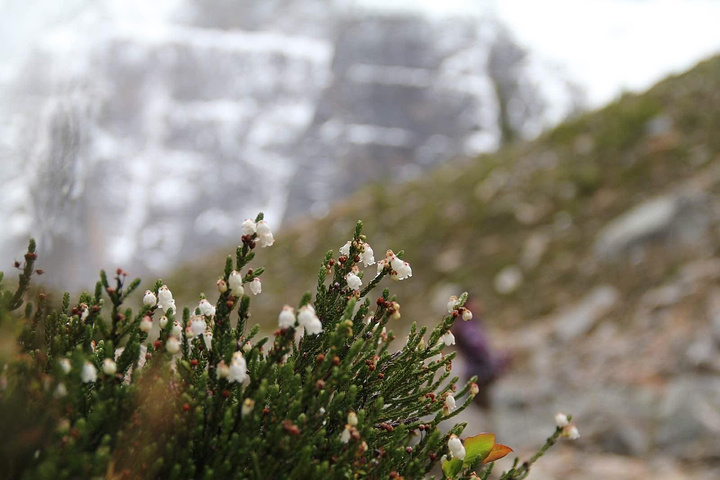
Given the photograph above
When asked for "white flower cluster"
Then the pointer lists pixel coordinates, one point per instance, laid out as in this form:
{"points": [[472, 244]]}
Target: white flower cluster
{"points": [[399, 270], [448, 338], [236, 372], [164, 299], [569, 430], [262, 229], [366, 252], [235, 282], [349, 430], [306, 318], [452, 305]]}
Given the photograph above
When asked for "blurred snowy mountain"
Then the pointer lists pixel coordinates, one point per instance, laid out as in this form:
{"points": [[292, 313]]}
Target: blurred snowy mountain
{"points": [[133, 143]]}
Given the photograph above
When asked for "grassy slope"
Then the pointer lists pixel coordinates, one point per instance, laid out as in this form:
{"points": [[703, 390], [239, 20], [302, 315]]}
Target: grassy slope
{"points": [[466, 221]]}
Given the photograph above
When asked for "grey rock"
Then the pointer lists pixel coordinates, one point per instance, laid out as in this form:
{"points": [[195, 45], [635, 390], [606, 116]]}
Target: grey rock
{"points": [[689, 417], [678, 218], [580, 318]]}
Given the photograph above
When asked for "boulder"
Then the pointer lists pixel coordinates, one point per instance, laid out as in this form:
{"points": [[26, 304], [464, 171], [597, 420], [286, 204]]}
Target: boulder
{"points": [[681, 218], [580, 318]]}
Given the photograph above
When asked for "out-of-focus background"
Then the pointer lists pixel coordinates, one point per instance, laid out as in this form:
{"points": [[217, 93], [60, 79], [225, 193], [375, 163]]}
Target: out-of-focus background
{"points": [[473, 135]]}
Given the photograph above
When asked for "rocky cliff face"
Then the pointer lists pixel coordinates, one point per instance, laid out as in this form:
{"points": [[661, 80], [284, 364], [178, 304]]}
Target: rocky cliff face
{"points": [[142, 145]]}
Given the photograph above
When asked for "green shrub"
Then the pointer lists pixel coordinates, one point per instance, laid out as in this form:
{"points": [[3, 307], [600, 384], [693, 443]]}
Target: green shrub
{"points": [[85, 393]]}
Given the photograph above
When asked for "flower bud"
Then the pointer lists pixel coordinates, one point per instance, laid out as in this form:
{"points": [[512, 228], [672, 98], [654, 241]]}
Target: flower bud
{"points": [[222, 370], [222, 285], [89, 373], [345, 435], [109, 367], [467, 314], [176, 329], [146, 324], [561, 420], [452, 303], [247, 407], [172, 345], [352, 419], [396, 311], [60, 390], [65, 365]]}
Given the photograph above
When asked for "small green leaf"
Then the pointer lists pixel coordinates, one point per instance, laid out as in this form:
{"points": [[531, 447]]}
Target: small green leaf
{"points": [[478, 446], [452, 467]]}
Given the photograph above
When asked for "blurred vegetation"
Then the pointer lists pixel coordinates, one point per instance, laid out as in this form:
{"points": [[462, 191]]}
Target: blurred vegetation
{"points": [[468, 220]]}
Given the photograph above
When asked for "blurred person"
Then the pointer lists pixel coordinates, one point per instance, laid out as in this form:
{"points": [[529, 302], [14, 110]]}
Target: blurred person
{"points": [[473, 343]]}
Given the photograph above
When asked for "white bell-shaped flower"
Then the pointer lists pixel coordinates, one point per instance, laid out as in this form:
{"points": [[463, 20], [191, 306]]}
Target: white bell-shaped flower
{"points": [[314, 326], [368, 256], [165, 299], [248, 227], [65, 365], [235, 282], [89, 373], [206, 308], [238, 368], [457, 450], [256, 286], [448, 338], [149, 299], [450, 402], [353, 281], [266, 240], [207, 338], [263, 228], [197, 325], [286, 319]]}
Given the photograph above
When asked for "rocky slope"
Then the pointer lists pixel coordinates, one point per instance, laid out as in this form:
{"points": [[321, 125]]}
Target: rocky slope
{"points": [[594, 253]]}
